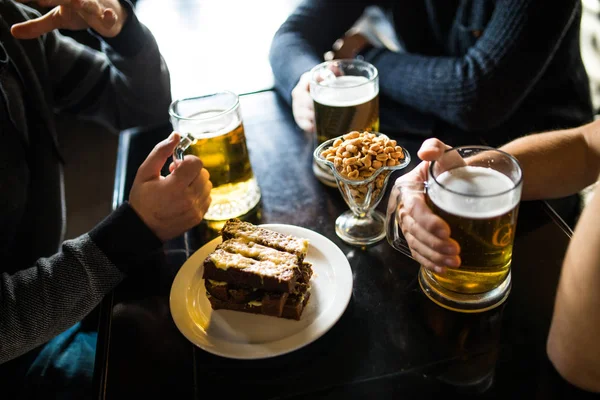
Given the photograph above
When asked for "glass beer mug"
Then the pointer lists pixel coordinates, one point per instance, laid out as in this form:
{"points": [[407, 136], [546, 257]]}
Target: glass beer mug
{"points": [[345, 95], [212, 129], [477, 191]]}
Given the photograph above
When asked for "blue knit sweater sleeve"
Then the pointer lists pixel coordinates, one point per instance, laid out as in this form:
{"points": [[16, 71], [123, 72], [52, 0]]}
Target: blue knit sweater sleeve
{"points": [[482, 88], [478, 90], [310, 31]]}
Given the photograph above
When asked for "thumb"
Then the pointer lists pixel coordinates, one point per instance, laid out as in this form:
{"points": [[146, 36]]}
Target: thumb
{"points": [[151, 167], [432, 149], [39, 26]]}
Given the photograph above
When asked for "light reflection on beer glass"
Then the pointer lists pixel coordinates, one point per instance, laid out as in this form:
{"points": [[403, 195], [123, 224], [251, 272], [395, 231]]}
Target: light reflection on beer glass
{"points": [[212, 129], [476, 190], [345, 94]]}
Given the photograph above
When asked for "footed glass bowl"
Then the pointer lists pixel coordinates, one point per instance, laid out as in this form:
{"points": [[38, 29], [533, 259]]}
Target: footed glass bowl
{"points": [[362, 225]]}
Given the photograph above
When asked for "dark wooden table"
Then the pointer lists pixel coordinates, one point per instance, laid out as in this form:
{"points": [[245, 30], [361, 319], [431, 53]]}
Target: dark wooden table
{"points": [[391, 342]]}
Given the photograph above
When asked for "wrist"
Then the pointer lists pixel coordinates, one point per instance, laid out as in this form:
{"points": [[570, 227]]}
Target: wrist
{"points": [[124, 237]]}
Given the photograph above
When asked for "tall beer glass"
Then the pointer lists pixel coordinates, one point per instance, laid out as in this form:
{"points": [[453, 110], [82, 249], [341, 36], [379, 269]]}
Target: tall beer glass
{"points": [[345, 94], [212, 129], [477, 191]]}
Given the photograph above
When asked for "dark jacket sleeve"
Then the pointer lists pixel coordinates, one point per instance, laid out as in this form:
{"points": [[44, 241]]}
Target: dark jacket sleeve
{"points": [[482, 88], [310, 31], [47, 298], [126, 84]]}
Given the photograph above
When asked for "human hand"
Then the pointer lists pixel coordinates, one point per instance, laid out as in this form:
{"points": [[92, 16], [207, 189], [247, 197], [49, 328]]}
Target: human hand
{"points": [[170, 205], [106, 17], [427, 235], [303, 107]]}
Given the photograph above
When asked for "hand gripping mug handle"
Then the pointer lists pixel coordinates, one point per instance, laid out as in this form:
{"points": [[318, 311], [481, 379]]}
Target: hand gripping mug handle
{"points": [[392, 220], [185, 141]]}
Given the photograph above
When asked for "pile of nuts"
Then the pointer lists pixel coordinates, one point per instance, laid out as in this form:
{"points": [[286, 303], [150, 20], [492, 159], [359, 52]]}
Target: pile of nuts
{"points": [[358, 156]]}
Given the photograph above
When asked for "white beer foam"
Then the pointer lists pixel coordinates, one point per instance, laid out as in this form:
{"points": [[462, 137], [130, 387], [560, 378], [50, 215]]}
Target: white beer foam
{"points": [[205, 128], [344, 92], [474, 181]]}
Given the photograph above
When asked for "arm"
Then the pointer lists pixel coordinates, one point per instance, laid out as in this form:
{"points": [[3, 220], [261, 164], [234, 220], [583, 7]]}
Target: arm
{"points": [[38, 302], [125, 85], [482, 88], [45, 299], [306, 35], [573, 344], [556, 164]]}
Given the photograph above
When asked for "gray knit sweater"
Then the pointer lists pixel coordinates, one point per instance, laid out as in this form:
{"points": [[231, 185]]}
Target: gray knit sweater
{"points": [[45, 287]]}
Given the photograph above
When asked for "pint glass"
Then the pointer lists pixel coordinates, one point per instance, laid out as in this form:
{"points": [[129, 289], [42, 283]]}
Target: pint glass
{"points": [[212, 129], [345, 94], [477, 191]]}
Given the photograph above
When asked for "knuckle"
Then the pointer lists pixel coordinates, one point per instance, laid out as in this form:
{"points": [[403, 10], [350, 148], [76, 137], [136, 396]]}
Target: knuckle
{"points": [[411, 241]]}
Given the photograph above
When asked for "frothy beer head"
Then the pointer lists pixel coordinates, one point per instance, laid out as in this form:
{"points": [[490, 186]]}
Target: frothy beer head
{"points": [[209, 124], [474, 192], [345, 91]]}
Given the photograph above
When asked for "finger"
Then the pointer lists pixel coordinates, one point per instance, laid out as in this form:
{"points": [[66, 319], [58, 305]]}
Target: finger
{"points": [[95, 15], [306, 125], [88, 8], [304, 113], [151, 167], [438, 269], [201, 185], [204, 205], [436, 150], [305, 102], [304, 81], [429, 246], [187, 170], [37, 27], [430, 223], [432, 149], [109, 18]]}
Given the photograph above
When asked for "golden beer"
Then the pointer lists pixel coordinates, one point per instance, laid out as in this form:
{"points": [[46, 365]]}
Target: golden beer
{"points": [[215, 124], [225, 156], [338, 112], [483, 227], [345, 96]]}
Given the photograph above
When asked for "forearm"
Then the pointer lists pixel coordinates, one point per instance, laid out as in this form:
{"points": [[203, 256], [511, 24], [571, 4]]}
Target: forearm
{"points": [[45, 299], [38, 303], [559, 163], [573, 345]]}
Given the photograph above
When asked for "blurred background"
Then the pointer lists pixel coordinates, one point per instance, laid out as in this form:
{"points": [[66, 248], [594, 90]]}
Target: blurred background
{"points": [[209, 45]]}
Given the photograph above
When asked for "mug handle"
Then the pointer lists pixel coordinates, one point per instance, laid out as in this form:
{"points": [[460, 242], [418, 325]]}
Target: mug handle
{"points": [[392, 220], [185, 141]]}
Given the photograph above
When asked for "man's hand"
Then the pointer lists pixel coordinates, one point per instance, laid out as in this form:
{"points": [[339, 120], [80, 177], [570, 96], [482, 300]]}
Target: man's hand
{"points": [[106, 17], [302, 104], [427, 235], [170, 205]]}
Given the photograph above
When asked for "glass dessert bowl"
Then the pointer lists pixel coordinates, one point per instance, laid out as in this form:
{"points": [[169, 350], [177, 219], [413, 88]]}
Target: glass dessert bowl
{"points": [[361, 163]]}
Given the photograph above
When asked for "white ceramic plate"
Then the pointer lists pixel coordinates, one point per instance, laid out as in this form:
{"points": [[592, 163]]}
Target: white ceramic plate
{"points": [[240, 335]]}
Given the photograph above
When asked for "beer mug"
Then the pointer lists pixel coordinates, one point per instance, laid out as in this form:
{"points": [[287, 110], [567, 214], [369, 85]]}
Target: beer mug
{"points": [[212, 129], [477, 191], [345, 95]]}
